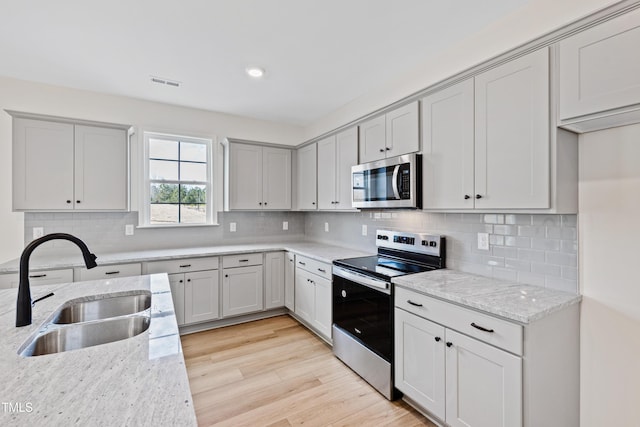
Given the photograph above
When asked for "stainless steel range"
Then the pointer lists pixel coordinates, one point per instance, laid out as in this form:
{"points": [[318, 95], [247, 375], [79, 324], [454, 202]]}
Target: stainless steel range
{"points": [[363, 302]]}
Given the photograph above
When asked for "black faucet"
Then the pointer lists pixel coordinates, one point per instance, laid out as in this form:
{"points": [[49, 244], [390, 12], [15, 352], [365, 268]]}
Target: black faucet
{"points": [[23, 309]]}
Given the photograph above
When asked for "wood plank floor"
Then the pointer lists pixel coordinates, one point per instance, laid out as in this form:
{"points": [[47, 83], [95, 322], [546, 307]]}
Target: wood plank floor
{"points": [[275, 372]]}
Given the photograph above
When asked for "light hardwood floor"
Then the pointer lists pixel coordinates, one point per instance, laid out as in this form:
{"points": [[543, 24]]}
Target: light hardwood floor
{"points": [[275, 372]]}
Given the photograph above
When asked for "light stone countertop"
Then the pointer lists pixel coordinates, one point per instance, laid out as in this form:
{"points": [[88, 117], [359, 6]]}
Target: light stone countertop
{"points": [[318, 251], [510, 300], [137, 381]]}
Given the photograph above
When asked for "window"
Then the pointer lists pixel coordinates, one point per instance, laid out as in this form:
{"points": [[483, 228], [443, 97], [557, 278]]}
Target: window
{"points": [[178, 180]]}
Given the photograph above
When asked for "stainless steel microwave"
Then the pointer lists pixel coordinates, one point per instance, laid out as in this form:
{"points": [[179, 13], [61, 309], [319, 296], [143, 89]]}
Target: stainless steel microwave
{"points": [[388, 183]]}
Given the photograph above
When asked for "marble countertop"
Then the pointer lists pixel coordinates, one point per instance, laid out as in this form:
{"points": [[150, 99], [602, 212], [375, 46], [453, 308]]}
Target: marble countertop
{"points": [[510, 300], [137, 381], [319, 251]]}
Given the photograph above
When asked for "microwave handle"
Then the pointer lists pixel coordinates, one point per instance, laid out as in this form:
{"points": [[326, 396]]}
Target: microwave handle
{"points": [[396, 192]]}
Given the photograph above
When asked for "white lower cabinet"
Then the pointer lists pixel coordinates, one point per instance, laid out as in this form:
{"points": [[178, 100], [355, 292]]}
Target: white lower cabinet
{"points": [[313, 294], [109, 271], [274, 280], [242, 290], [289, 281], [176, 281]]}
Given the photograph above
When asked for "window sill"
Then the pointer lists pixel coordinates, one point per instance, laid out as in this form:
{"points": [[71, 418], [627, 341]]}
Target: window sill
{"points": [[215, 224]]}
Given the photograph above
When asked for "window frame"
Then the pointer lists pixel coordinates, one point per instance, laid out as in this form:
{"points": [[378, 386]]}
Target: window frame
{"points": [[145, 208]]}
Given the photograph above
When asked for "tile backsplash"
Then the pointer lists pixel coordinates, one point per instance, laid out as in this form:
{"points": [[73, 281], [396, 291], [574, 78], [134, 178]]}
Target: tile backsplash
{"points": [[539, 250]]}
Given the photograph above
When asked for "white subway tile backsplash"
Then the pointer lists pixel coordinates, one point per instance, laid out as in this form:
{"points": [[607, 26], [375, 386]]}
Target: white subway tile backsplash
{"points": [[546, 220], [504, 251], [569, 246], [512, 219], [561, 258], [531, 231], [546, 269], [495, 239], [569, 273], [545, 244], [508, 230], [531, 255], [519, 242], [494, 219], [561, 285], [517, 264], [505, 274]]}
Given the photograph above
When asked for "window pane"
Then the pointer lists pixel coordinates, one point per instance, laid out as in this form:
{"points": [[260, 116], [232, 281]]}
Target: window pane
{"points": [[193, 214], [164, 193], [163, 169], [161, 149], [164, 214], [193, 194], [193, 172], [193, 152]]}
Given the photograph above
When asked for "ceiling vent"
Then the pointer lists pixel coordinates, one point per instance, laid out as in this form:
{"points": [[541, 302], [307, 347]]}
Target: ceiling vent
{"points": [[163, 81]]}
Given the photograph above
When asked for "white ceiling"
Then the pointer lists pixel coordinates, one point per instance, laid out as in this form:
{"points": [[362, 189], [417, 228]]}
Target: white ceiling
{"points": [[318, 54]]}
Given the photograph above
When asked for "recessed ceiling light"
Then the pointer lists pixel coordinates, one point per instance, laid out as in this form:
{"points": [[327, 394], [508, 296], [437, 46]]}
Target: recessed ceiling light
{"points": [[255, 72]]}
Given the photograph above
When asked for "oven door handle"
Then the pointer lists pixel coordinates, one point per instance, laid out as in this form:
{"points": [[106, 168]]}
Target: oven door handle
{"points": [[396, 191], [361, 279]]}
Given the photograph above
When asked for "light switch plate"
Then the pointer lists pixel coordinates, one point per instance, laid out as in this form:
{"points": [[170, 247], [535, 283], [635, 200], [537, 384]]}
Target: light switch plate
{"points": [[285, 225], [483, 241], [38, 232], [364, 229], [326, 227], [128, 230], [232, 227]]}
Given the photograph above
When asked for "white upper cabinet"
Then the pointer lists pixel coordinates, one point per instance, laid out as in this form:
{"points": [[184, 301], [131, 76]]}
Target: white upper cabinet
{"points": [[258, 177], [62, 166], [512, 134], [336, 155], [600, 72], [390, 135], [307, 177], [448, 148]]}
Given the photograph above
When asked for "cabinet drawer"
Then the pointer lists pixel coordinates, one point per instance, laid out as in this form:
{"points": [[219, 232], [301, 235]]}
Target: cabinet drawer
{"points": [[242, 260], [182, 265], [110, 271], [316, 267], [505, 334], [36, 278]]}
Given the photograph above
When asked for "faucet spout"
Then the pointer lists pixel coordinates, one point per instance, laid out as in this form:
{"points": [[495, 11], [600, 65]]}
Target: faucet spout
{"points": [[23, 304]]}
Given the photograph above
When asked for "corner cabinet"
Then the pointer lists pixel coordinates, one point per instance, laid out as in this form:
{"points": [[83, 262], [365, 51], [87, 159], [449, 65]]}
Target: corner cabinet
{"points": [[61, 166], [599, 75], [336, 155], [488, 143], [258, 177], [307, 177], [393, 134]]}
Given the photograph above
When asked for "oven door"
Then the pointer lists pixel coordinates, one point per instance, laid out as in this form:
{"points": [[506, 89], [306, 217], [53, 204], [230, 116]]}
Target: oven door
{"points": [[362, 307]]}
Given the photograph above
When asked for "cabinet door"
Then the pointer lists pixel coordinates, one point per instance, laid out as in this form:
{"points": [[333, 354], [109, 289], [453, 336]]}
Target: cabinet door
{"points": [[42, 165], [483, 383], [402, 130], [372, 140], [242, 290], [322, 305], [327, 170], [176, 281], [600, 67], [512, 134], [276, 182], [346, 156], [419, 361], [307, 177], [289, 281], [101, 168], [274, 280], [304, 295], [201, 299], [245, 176], [447, 143]]}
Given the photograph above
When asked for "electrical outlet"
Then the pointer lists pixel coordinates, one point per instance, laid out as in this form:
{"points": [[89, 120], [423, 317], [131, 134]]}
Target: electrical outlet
{"points": [[364, 229], [326, 227], [38, 232], [128, 230], [285, 225], [232, 227], [483, 241]]}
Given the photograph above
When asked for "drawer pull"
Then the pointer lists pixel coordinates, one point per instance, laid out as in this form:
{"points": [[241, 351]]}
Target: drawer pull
{"points": [[243, 260], [302, 263], [111, 272], [37, 276], [481, 328], [322, 270], [414, 303], [185, 266]]}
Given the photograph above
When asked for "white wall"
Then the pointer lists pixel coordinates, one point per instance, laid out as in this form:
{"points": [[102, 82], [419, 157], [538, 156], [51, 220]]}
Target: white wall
{"points": [[609, 235], [533, 20], [44, 99]]}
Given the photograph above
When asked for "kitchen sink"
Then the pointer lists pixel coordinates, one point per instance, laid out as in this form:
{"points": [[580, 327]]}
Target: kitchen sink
{"points": [[85, 311], [72, 337]]}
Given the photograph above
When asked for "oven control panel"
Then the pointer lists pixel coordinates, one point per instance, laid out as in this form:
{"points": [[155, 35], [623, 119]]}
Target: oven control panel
{"points": [[423, 243]]}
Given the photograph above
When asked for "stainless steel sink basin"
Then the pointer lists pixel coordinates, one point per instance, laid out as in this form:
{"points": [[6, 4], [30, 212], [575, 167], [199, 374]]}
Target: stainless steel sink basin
{"points": [[84, 335], [104, 308]]}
